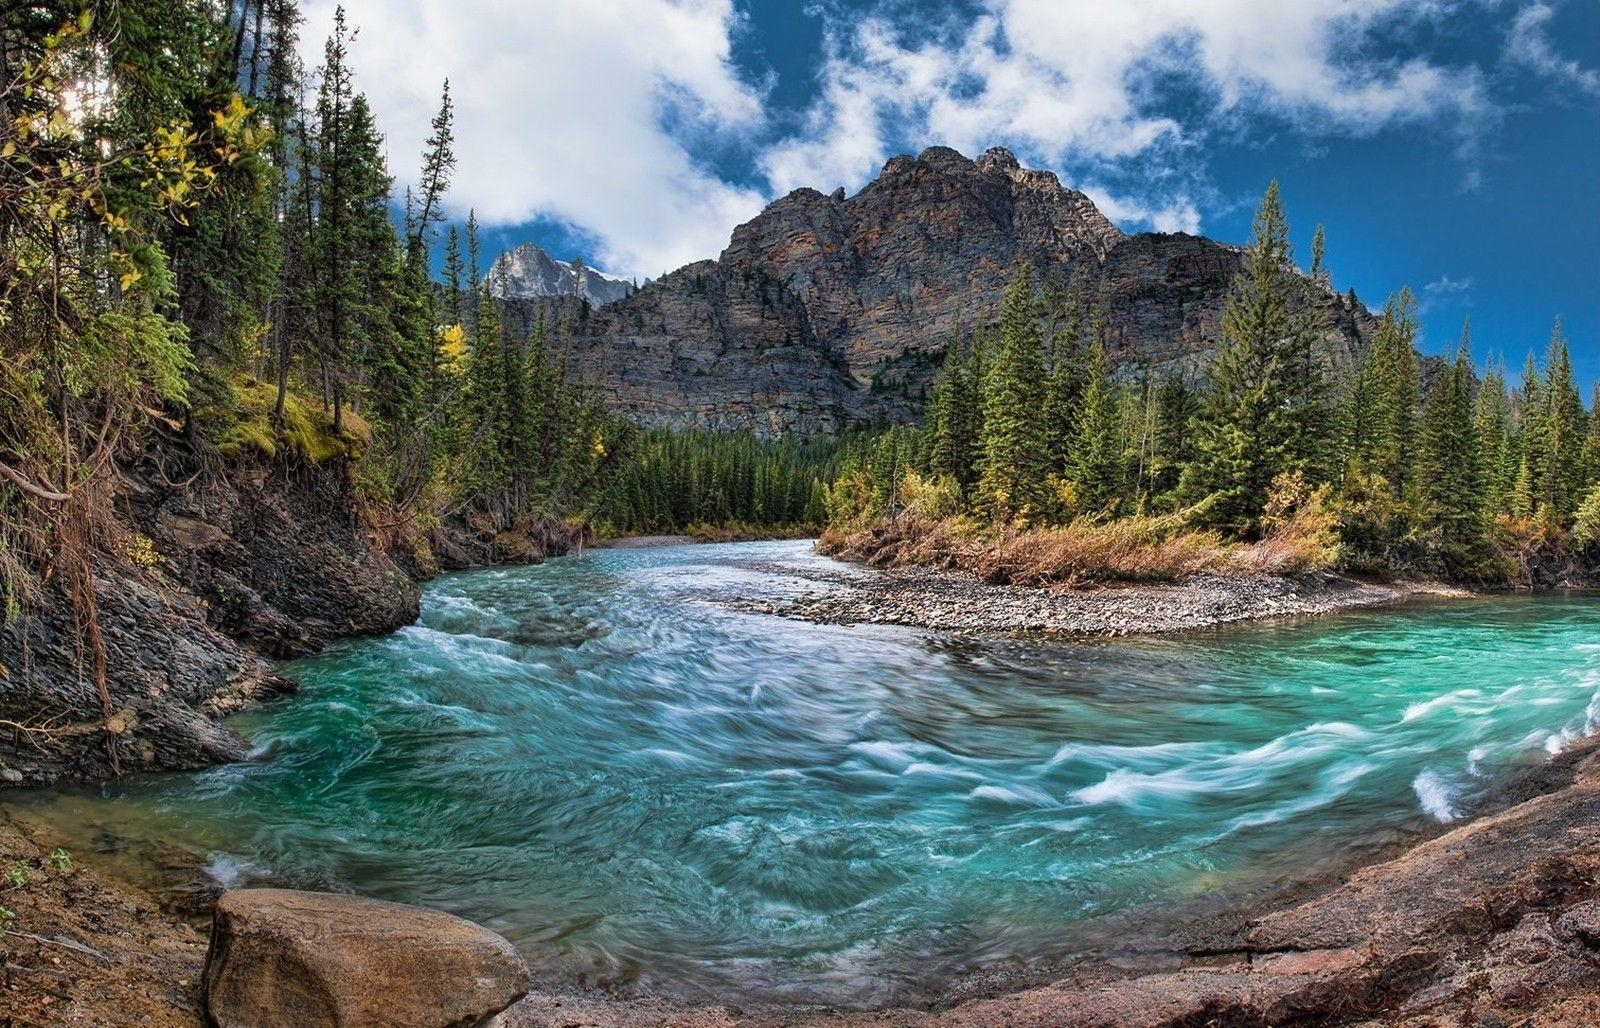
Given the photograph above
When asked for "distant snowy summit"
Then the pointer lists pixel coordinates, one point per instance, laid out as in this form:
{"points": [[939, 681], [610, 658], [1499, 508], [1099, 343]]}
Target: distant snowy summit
{"points": [[528, 273]]}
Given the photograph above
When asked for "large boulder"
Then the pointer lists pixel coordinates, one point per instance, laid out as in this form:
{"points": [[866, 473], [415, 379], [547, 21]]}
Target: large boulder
{"points": [[308, 959]]}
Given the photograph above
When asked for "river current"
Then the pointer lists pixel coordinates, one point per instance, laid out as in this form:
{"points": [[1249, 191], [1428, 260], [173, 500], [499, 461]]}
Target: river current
{"points": [[638, 785]]}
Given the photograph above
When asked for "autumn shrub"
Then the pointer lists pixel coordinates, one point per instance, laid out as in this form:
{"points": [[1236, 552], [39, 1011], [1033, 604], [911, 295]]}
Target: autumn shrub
{"points": [[1301, 531]]}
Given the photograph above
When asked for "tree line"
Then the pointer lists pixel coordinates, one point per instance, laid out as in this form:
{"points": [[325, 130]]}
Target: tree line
{"points": [[201, 247], [1430, 466]]}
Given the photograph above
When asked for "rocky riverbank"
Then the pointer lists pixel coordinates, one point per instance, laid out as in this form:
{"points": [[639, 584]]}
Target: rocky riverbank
{"points": [[955, 602], [1492, 923], [198, 585]]}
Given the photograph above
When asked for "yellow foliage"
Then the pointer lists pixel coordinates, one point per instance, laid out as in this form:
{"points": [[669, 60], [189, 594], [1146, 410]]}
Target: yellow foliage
{"points": [[141, 552], [452, 348]]}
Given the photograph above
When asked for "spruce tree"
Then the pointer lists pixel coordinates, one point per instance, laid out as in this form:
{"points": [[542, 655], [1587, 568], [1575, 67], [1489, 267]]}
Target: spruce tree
{"points": [[1252, 428], [1448, 469], [1396, 389], [1591, 446], [1096, 467], [1560, 486], [1491, 422], [1013, 486]]}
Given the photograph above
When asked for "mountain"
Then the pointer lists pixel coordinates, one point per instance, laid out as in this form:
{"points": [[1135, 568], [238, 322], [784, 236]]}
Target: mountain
{"points": [[527, 273], [827, 311]]}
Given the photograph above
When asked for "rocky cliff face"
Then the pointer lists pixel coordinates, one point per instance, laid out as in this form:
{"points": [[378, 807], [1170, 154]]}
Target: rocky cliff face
{"points": [[831, 311], [528, 273]]}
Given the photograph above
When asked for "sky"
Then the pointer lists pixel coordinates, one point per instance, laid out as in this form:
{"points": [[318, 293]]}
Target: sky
{"points": [[1449, 145]]}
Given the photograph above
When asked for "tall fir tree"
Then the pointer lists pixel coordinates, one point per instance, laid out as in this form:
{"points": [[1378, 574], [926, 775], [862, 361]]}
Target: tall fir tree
{"points": [[1491, 422], [1252, 428], [1014, 443], [1096, 468], [1449, 461]]}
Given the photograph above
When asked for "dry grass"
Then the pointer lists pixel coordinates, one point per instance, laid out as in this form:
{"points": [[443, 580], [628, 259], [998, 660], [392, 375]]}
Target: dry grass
{"points": [[1301, 538], [1086, 552]]}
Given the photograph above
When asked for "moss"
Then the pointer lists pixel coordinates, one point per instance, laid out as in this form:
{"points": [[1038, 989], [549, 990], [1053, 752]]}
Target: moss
{"points": [[307, 430]]}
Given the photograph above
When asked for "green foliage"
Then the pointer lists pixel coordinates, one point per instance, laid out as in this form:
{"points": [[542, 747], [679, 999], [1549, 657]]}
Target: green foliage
{"points": [[668, 481], [1448, 470], [1371, 471], [61, 860], [1013, 442], [1263, 398], [304, 428], [1095, 466]]}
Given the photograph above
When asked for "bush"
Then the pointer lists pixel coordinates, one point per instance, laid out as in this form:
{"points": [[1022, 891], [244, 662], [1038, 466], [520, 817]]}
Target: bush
{"points": [[1586, 529]]}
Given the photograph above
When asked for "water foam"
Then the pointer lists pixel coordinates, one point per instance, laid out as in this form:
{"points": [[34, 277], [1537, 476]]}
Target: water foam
{"points": [[1436, 795]]}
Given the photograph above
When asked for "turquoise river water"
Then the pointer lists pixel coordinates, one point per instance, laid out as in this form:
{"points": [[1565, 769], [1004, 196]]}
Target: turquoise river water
{"points": [[636, 784]]}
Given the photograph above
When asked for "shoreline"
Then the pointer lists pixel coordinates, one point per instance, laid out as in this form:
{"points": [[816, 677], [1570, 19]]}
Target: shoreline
{"points": [[1496, 916], [952, 601]]}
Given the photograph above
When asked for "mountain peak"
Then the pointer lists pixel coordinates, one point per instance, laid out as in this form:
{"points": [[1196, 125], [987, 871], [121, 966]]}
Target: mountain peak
{"points": [[527, 272]]}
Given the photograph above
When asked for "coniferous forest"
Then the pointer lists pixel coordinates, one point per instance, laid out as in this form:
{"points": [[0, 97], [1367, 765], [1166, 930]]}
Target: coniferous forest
{"points": [[205, 261], [1391, 464]]}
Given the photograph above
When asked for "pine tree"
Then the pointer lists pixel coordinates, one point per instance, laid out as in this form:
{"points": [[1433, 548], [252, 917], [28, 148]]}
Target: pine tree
{"points": [[1064, 380], [1591, 446], [1173, 445], [1491, 422], [1096, 467], [1252, 426], [1396, 385], [1560, 485], [1014, 444], [1448, 469]]}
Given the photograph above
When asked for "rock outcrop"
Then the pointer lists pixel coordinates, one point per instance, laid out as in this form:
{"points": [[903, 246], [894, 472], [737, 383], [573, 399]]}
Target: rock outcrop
{"points": [[827, 311], [201, 582], [528, 273], [286, 959]]}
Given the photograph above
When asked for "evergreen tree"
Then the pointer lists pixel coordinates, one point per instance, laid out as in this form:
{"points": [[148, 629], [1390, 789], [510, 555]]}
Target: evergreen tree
{"points": [[1173, 445], [1252, 428], [1448, 468], [1491, 423], [1561, 482], [1591, 446], [1014, 443], [1396, 390], [1096, 470]]}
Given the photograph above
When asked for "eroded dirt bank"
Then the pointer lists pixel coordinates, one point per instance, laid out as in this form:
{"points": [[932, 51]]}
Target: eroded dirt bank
{"points": [[1493, 923]]}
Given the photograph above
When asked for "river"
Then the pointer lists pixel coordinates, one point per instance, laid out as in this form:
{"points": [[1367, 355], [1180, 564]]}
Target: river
{"points": [[645, 789]]}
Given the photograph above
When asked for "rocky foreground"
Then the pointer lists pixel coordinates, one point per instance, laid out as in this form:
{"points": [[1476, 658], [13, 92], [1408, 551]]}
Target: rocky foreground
{"points": [[953, 602], [1494, 923]]}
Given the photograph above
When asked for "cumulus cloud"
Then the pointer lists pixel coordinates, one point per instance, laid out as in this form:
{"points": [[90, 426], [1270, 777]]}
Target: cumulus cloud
{"points": [[563, 111], [608, 116], [1178, 215], [1136, 85], [1529, 45]]}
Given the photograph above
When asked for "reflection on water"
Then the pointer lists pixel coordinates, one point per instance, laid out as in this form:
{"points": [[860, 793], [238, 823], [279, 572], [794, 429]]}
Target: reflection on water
{"points": [[634, 783]]}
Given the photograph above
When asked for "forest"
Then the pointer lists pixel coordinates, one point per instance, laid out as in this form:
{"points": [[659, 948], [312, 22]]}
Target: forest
{"points": [[1036, 464], [204, 262]]}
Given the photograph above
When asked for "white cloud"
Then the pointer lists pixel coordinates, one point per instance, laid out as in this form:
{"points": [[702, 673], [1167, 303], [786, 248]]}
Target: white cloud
{"points": [[1529, 45], [1074, 82], [1444, 285], [560, 112], [1177, 215], [601, 114]]}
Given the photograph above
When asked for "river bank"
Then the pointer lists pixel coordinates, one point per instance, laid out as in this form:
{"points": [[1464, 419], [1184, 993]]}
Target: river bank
{"points": [[1492, 922], [951, 601]]}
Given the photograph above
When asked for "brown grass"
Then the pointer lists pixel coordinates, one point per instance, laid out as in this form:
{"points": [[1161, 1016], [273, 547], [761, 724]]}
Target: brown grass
{"points": [[1085, 552], [1141, 548]]}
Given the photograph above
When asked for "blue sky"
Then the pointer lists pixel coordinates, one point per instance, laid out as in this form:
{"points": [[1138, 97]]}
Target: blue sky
{"points": [[1452, 145]]}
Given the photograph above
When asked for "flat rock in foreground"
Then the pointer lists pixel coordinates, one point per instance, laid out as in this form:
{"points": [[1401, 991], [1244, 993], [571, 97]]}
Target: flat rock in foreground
{"points": [[306, 959]]}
